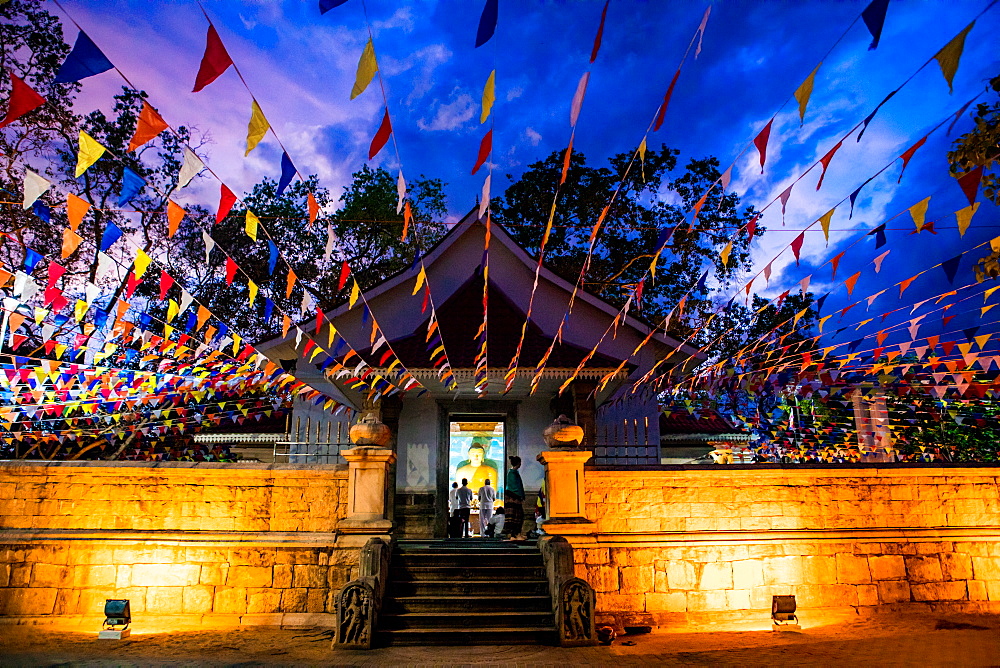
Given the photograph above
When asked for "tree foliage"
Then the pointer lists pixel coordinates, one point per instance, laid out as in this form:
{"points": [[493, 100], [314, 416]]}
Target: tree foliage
{"points": [[980, 147]]}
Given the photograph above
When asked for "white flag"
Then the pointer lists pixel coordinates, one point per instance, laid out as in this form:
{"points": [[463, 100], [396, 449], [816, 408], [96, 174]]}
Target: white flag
{"points": [[192, 165], [484, 203], [400, 191], [34, 186]]}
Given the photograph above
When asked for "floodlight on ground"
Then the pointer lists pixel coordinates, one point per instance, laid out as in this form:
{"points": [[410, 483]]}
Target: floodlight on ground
{"points": [[783, 612], [117, 612]]}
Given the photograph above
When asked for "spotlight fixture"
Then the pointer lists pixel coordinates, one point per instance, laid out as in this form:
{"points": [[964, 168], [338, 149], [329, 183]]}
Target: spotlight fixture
{"points": [[117, 612], [783, 613]]}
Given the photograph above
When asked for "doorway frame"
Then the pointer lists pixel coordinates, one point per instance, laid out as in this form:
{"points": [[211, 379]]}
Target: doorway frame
{"points": [[446, 409]]}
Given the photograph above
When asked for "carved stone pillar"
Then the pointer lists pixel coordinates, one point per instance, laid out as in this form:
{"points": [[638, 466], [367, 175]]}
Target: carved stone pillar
{"points": [[367, 487], [564, 512]]}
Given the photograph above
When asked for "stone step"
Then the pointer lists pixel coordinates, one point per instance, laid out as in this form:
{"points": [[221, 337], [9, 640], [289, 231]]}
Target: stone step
{"points": [[466, 603], [483, 574], [430, 587], [427, 558], [462, 636], [468, 619]]}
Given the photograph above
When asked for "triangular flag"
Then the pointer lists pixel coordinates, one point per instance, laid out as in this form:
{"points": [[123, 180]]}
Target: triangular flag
{"points": [[287, 173], [290, 283], [141, 263], [421, 277], [485, 148], [489, 96], [355, 293], [825, 161], [487, 22], [964, 217], [381, 137], [34, 186], [760, 141], [250, 227], [85, 60], [407, 217], [215, 61], [874, 18], [950, 267], [313, 208], [797, 245], [256, 128], [367, 67], [600, 32], [76, 209], [22, 100], [132, 183], [581, 91], [89, 153], [484, 201], [189, 168], [148, 127], [175, 214], [226, 201], [400, 191], [949, 56], [969, 183], [231, 268], [918, 212], [804, 92], [71, 240], [878, 261], [666, 101], [824, 221], [725, 253], [908, 153]]}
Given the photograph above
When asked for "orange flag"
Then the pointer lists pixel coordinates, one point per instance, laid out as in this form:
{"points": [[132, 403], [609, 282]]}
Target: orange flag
{"points": [[851, 281], [70, 242], [313, 209], [76, 209], [289, 284], [175, 214], [150, 125]]}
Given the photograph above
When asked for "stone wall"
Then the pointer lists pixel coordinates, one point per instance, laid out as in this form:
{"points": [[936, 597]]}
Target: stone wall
{"points": [[185, 543], [716, 543]]}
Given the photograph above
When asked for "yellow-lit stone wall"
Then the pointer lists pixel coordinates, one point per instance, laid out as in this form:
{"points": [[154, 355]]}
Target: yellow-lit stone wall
{"points": [[673, 544], [193, 543]]}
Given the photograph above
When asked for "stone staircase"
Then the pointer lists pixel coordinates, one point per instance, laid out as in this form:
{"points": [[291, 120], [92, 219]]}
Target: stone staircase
{"points": [[466, 592]]}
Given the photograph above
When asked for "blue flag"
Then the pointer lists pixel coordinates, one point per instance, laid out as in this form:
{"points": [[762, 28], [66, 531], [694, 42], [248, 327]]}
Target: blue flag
{"points": [[327, 5], [287, 172], [42, 210], [487, 23], [85, 60], [31, 260], [272, 259], [132, 183], [110, 236]]}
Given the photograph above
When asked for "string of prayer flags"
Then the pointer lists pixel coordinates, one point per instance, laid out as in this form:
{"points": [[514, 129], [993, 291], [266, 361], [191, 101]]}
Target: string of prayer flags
{"points": [[487, 22], [34, 187], [825, 162], [969, 183], [367, 67], [381, 137], [22, 100], [666, 101], [175, 214], [132, 183], [251, 224], [874, 18], [90, 151], [964, 217], [226, 201], [148, 127], [485, 148], [189, 168], [215, 61], [85, 60], [950, 54], [287, 172], [760, 141], [804, 92], [256, 128]]}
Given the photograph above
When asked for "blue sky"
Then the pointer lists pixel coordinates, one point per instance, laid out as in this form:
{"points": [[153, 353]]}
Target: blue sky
{"points": [[301, 67]]}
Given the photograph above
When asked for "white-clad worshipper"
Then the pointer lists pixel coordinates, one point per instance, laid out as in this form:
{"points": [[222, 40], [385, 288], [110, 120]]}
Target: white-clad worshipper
{"points": [[487, 497]]}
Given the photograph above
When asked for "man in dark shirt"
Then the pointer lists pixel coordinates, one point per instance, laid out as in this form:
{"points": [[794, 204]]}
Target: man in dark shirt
{"points": [[464, 506], [513, 497]]}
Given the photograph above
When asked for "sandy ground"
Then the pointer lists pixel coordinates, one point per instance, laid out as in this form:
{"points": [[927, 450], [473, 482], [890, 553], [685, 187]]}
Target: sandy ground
{"points": [[915, 640]]}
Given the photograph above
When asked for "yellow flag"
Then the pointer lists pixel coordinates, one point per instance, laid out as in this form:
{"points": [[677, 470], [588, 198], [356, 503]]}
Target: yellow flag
{"points": [[173, 310], [251, 225], [804, 92], [80, 309], [421, 277], [919, 212], [489, 96], [142, 261], [964, 217], [725, 253], [257, 127], [642, 158], [355, 293], [367, 67], [252, 288], [90, 152], [949, 56], [824, 221]]}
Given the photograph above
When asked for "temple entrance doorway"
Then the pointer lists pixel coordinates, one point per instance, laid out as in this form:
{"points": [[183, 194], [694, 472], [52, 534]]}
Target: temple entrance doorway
{"points": [[476, 452]]}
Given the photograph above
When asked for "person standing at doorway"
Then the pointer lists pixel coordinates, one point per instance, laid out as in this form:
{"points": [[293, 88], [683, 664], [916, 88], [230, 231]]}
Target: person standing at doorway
{"points": [[487, 497], [464, 496], [513, 498]]}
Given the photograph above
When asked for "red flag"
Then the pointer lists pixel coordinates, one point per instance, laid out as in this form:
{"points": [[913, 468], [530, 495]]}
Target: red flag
{"points": [[797, 245], [166, 280], [836, 262], [485, 148], [226, 201], [760, 141], [825, 161], [969, 182], [666, 101], [22, 100], [230, 270], [752, 226], [600, 33], [381, 137], [909, 154], [344, 272], [133, 283], [215, 61]]}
